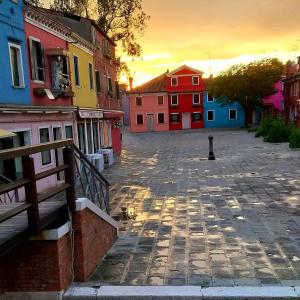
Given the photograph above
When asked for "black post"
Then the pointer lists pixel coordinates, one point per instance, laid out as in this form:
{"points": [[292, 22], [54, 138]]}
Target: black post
{"points": [[211, 155]]}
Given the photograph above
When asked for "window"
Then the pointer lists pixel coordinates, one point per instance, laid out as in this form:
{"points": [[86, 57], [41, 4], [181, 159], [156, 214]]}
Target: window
{"points": [[174, 118], [232, 114], [138, 101], [174, 81], [69, 131], [174, 100], [37, 60], [109, 84], [161, 118], [81, 137], [91, 76], [295, 89], [196, 99], [160, 100], [76, 71], [98, 83], [197, 116], [60, 72], [195, 80], [95, 137], [139, 119], [44, 138], [210, 115], [16, 65], [209, 98]]}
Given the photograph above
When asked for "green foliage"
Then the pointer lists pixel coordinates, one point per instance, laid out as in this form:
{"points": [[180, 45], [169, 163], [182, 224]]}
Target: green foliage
{"points": [[279, 132], [247, 84], [264, 126], [295, 138]]}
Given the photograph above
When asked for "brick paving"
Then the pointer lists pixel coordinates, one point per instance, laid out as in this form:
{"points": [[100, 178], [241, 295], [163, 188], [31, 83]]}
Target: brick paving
{"points": [[190, 221]]}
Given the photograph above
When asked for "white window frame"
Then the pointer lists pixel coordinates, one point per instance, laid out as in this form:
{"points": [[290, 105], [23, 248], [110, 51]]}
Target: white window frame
{"points": [[199, 99], [235, 114], [51, 151], [31, 38], [172, 81], [162, 99], [64, 133], [197, 112], [136, 123], [164, 117], [213, 115], [197, 79], [176, 100], [77, 85], [20, 66], [136, 101], [175, 114]]}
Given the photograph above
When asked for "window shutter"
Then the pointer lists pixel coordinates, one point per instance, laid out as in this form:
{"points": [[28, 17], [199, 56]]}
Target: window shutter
{"points": [[117, 89], [43, 61], [32, 67]]}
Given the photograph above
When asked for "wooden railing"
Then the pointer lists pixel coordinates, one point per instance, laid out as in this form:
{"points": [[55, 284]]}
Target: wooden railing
{"points": [[30, 178]]}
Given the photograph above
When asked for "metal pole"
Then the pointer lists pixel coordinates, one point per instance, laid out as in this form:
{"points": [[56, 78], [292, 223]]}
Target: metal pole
{"points": [[211, 155]]}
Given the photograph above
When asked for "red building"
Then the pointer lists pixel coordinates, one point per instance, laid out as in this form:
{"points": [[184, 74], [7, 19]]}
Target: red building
{"points": [[185, 88]]}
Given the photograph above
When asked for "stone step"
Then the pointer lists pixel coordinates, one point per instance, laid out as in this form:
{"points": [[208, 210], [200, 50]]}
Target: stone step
{"points": [[181, 292]]}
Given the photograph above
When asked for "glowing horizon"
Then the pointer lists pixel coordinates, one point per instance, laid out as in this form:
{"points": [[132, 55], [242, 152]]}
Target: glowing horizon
{"points": [[213, 35]]}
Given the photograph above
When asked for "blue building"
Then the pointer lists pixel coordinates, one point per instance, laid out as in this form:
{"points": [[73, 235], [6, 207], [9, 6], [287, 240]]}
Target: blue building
{"points": [[218, 116], [14, 83]]}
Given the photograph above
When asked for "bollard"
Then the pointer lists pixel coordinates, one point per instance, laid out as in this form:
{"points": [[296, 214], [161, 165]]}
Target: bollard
{"points": [[211, 155]]}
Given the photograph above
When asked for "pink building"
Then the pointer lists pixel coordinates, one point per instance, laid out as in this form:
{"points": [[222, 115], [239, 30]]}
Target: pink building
{"points": [[273, 105], [149, 106]]}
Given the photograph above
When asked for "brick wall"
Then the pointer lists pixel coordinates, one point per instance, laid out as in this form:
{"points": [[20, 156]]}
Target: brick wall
{"points": [[37, 266], [93, 238]]}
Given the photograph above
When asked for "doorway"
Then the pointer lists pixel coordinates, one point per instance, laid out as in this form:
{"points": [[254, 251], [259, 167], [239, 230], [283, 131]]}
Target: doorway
{"points": [[186, 120], [150, 123], [57, 135]]}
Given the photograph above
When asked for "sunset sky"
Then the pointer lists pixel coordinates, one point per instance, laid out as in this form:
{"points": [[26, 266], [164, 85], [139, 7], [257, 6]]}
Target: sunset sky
{"points": [[226, 31]]}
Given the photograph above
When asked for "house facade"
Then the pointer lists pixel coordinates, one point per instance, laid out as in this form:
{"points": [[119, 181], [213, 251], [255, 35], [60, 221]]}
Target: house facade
{"points": [[13, 60], [185, 89], [148, 106], [222, 116]]}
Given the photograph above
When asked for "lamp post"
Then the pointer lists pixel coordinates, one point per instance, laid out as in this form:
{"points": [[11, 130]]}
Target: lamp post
{"points": [[211, 155]]}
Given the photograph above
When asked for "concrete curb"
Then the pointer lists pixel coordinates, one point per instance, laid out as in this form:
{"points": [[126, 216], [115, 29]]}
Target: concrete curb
{"points": [[182, 292]]}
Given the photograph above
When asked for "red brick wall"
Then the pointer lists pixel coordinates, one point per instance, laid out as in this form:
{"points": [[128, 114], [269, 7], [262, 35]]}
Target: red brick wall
{"points": [[93, 238], [37, 266]]}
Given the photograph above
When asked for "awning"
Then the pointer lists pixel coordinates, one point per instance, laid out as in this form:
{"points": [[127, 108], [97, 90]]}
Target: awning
{"points": [[113, 115], [90, 114], [5, 134]]}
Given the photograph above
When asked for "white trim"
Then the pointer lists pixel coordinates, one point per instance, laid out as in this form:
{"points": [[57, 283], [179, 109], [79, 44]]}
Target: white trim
{"points": [[79, 46], [172, 81], [50, 139], [177, 100], [52, 234], [164, 118], [184, 67], [197, 112], [68, 124], [82, 203], [229, 114], [176, 122], [136, 119], [20, 65], [213, 115], [199, 103], [197, 76]]}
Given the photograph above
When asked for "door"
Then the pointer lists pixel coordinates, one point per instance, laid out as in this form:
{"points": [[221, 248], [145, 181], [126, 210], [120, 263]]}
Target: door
{"points": [[57, 135], [186, 120], [150, 123]]}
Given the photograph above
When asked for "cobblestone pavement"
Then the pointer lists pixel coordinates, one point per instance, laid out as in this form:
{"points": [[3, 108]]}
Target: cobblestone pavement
{"points": [[232, 221]]}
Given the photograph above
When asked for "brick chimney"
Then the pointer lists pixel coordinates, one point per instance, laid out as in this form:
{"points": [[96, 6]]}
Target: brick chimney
{"points": [[130, 83]]}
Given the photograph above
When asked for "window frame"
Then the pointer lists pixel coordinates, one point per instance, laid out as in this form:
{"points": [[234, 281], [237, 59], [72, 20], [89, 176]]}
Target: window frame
{"points": [[136, 98], [50, 152], [158, 97], [161, 113], [176, 78], [209, 96], [33, 63], [210, 110], [76, 74], [197, 94], [136, 119], [109, 84], [197, 112], [98, 82], [20, 66], [177, 100], [91, 77], [176, 122], [198, 80], [232, 109], [68, 125]]}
